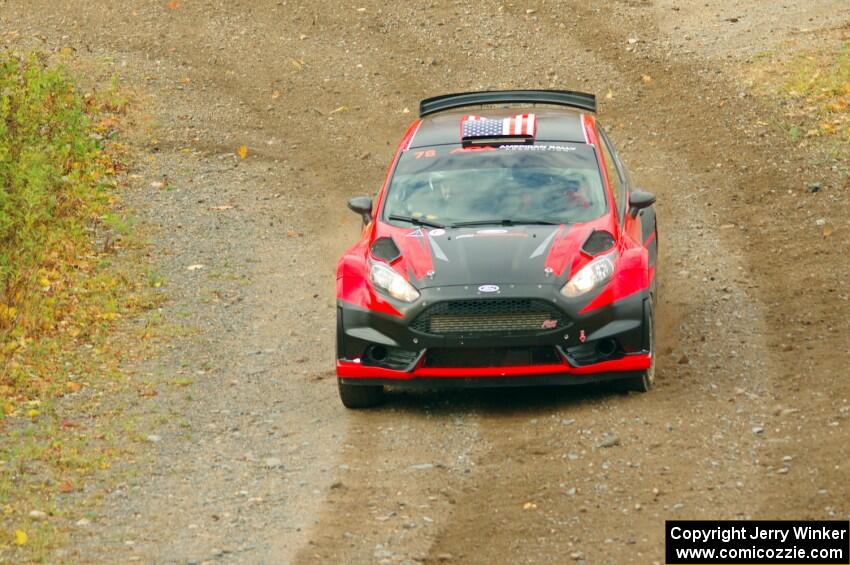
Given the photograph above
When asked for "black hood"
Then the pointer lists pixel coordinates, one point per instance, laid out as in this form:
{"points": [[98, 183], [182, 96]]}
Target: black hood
{"points": [[480, 256]]}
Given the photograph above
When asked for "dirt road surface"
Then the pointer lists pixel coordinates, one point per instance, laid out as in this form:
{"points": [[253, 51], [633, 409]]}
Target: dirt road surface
{"points": [[259, 463]]}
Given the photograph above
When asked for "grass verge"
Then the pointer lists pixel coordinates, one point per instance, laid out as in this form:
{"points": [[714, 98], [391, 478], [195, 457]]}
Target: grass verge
{"points": [[813, 85], [72, 276]]}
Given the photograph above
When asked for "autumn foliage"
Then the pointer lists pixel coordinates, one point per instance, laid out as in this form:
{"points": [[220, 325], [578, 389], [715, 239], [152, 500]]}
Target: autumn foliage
{"points": [[55, 185]]}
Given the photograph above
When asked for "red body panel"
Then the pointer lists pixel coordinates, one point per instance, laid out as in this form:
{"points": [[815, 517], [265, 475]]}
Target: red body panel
{"points": [[353, 286], [628, 363]]}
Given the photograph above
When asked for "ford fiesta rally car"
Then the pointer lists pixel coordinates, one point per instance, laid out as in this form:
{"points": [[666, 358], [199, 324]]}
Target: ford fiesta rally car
{"points": [[506, 247]]}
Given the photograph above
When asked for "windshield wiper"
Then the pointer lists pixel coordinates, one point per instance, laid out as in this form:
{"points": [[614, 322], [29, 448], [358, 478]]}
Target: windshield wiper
{"points": [[506, 222], [415, 221]]}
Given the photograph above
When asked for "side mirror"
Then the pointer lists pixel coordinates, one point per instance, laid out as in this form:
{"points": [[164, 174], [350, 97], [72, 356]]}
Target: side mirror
{"points": [[362, 205], [638, 200]]}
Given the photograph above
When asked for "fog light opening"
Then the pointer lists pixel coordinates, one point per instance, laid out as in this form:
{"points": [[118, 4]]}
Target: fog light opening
{"points": [[606, 347], [376, 353]]}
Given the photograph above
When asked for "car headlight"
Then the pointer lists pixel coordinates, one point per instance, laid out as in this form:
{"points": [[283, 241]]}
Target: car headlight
{"points": [[385, 278], [592, 275]]}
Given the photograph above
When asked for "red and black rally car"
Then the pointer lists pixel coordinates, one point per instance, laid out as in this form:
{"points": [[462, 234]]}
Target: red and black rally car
{"points": [[506, 247]]}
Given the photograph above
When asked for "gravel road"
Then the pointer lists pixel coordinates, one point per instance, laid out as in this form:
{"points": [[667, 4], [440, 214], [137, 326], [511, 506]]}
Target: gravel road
{"points": [[257, 462]]}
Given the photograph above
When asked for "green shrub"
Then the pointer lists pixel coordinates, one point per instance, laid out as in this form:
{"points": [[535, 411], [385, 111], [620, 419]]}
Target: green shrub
{"points": [[54, 178]]}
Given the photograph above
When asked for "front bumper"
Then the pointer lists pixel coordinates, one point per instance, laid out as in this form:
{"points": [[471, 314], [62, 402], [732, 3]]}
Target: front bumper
{"points": [[571, 355]]}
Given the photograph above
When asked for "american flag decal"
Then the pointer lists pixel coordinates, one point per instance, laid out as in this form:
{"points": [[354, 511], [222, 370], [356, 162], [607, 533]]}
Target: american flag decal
{"points": [[521, 125]]}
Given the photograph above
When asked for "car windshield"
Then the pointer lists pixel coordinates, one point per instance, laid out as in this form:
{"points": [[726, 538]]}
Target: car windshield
{"points": [[450, 185]]}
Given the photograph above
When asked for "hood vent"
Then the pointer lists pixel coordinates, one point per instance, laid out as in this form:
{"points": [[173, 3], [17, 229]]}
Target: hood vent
{"points": [[384, 248], [598, 242]]}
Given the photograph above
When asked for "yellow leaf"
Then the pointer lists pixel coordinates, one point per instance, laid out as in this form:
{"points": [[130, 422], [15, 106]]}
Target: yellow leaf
{"points": [[646, 79], [340, 109], [298, 64], [609, 95], [21, 537], [7, 312], [275, 94], [242, 151], [32, 413], [72, 386], [827, 231]]}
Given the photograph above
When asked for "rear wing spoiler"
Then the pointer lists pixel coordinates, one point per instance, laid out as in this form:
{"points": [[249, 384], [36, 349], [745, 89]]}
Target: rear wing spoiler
{"points": [[580, 100]]}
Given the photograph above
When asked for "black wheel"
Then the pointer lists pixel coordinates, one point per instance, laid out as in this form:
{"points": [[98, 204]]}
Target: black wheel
{"points": [[644, 382], [360, 396]]}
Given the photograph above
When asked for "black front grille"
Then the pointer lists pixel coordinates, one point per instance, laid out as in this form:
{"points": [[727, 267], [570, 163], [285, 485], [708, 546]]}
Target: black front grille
{"points": [[514, 316], [463, 357]]}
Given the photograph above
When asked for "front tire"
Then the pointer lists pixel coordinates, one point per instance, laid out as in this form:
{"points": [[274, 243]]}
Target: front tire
{"points": [[360, 396]]}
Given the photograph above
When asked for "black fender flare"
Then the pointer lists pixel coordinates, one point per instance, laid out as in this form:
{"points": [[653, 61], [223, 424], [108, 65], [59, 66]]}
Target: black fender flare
{"points": [[648, 227], [648, 311]]}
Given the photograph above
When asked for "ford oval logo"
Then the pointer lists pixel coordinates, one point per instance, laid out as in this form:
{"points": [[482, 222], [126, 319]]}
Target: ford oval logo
{"points": [[488, 288]]}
